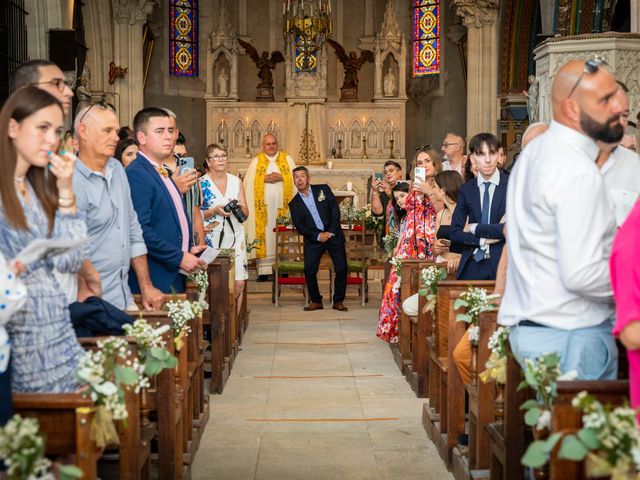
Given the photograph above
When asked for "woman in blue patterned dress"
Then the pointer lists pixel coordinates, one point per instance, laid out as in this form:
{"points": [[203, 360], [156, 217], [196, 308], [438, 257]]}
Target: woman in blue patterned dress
{"points": [[37, 202], [223, 230]]}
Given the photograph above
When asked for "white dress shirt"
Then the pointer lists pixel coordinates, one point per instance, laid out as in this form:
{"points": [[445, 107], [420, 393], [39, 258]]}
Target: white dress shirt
{"points": [[560, 231], [621, 175], [494, 181], [447, 165]]}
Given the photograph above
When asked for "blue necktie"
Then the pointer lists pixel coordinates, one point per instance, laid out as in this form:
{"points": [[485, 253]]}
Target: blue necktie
{"points": [[479, 255]]}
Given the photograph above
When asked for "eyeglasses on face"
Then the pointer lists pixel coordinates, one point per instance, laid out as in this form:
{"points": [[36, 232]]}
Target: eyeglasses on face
{"points": [[59, 83], [448, 144], [591, 66], [102, 103], [218, 158]]}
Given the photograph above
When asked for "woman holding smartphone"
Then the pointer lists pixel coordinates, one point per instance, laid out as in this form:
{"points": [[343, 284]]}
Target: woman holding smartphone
{"points": [[381, 195]]}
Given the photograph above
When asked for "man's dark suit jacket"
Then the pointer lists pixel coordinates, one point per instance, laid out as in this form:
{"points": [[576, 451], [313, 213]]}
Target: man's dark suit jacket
{"points": [[160, 227], [468, 210], [329, 214]]}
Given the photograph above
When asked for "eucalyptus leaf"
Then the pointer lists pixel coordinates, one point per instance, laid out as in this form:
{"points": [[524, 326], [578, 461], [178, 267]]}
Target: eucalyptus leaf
{"points": [[69, 472], [126, 375], [532, 416], [535, 457], [551, 442], [572, 449], [463, 317], [529, 404], [423, 292], [459, 302], [589, 437]]}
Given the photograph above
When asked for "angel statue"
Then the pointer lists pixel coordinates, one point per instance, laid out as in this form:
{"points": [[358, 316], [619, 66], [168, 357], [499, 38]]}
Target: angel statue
{"points": [[352, 64], [264, 63], [532, 99]]}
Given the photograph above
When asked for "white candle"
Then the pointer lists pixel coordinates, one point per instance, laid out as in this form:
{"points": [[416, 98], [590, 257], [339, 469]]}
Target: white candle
{"points": [[329, 164], [349, 186]]}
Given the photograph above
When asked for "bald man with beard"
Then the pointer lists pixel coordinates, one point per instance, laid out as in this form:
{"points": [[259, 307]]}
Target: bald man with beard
{"points": [[558, 296]]}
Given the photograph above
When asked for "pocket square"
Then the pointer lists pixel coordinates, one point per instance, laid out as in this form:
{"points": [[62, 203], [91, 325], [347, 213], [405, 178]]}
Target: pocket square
{"points": [[321, 197]]}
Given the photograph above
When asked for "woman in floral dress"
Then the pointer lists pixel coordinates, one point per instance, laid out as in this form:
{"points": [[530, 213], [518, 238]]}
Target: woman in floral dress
{"points": [[37, 202], [415, 238]]}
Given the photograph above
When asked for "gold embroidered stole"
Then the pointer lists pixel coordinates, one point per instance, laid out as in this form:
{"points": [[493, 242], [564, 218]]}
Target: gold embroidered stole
{"points": [[260, 207]]}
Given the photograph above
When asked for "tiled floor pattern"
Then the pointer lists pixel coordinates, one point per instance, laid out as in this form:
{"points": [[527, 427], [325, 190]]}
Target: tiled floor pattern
{"points": [[315, 395]]}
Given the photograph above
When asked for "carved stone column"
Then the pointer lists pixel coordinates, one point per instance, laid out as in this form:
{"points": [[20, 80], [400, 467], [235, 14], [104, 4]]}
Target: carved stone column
{"points": [[635, 16], [481, 19], [130, 16]]}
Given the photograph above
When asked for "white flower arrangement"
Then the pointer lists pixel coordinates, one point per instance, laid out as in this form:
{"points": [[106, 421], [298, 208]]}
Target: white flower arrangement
{"points": [[180, 312], [152, 349], [201, 279], [396, 263], [474, 301], [390, 241], [22, 449], [430, 277], [107, 370], [473, 333], [496, 365]]}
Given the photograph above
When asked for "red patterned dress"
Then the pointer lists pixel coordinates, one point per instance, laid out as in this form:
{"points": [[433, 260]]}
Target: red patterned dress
{"points": [[415, 238]]}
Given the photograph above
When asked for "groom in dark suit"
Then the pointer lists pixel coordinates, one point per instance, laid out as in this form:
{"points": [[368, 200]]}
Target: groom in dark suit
{"points": [[478, 219], [315, 214]]}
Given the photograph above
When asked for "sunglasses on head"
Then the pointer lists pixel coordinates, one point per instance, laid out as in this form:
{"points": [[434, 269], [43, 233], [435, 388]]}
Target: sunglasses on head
{"points": [[424, 147], [102, 103], [591, 66]]}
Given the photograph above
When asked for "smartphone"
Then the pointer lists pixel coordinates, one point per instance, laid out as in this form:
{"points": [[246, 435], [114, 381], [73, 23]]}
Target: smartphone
{"points": [[419, 174], [186, 163], [379, 176]]}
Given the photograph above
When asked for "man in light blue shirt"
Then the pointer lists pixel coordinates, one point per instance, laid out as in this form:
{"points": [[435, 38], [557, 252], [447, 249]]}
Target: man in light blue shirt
{"points": [[104, 201]]}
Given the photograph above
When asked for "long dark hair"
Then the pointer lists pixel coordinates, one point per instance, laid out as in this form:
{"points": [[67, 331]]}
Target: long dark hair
{"points": [[22, 104], [125, 142], [450, 181], [399, 212]]}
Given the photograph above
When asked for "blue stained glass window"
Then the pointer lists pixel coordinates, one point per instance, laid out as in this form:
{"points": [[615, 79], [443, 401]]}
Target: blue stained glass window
{"points": [[183, 37], [426, 37]]}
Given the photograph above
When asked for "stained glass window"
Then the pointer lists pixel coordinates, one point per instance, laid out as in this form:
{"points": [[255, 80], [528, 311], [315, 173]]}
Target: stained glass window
{"points": [[426, 37], [183, 37], [305, 63]]}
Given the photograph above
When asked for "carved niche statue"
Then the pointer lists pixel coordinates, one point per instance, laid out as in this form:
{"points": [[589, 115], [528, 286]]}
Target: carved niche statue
{"points": [[265, 64], [532, 99], [83, 89], [389, 83], [352, 64], [223, 85]]}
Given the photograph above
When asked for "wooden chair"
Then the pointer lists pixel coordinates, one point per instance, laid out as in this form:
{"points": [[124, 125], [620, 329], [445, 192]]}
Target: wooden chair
{"points": [[443, 396], [410, 283], [357, 260], [289, 262], [65, 420]]}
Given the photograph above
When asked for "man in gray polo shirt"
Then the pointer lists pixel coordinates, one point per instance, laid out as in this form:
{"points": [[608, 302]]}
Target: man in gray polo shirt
{"points": [[104, 201]]}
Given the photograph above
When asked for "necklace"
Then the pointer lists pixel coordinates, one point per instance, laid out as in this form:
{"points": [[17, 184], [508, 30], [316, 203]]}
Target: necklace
{"points": [[21, 185]]}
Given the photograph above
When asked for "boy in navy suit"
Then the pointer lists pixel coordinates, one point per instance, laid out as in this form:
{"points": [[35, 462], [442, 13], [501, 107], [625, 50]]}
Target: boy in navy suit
{"points": [[478, 219], [315, 214]]}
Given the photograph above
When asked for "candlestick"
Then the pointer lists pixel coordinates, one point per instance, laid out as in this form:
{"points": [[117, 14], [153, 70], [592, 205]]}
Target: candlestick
{"points": [[248, 151], [364, 147], [391, 147], [339, 154]]}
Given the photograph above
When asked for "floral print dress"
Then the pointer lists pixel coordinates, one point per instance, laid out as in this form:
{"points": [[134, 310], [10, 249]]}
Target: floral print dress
{"points": [[415, 239]]}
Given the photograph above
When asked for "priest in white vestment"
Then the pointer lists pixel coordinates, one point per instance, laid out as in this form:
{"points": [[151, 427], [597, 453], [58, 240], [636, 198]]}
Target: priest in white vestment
{"points": [[269, 188]]}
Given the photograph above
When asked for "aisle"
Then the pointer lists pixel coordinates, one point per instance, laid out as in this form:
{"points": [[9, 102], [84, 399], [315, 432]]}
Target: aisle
{"points": [[315, 395]]}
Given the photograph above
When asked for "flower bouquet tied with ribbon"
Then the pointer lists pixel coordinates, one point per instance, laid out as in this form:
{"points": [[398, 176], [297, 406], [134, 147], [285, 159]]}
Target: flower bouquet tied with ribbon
{"points": [[474, 301], [430, 277]]}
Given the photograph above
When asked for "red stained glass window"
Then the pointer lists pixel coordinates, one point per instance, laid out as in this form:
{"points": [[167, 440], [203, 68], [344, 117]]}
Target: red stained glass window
{"points": [[183, 38], [426, 37]]}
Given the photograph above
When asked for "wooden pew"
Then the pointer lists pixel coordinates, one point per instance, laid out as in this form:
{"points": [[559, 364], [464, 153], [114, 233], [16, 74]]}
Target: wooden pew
{"points": [[508, 433], [167, 396], [410, 275], [565, 418], [475, 461], [196, 355], [135, 434], [446, 391], [65, 420], [221, 299], [420, 331]]}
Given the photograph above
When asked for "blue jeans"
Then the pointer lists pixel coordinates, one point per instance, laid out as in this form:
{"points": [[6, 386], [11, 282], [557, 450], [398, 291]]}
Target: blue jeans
{"points": [[592, 351]]}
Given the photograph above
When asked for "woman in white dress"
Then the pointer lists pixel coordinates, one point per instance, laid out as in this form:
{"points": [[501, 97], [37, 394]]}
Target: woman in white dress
{"points": [[222, 228]]}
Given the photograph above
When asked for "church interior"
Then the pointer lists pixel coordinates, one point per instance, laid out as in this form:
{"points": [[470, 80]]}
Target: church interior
{"points": [[250, 386]]}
